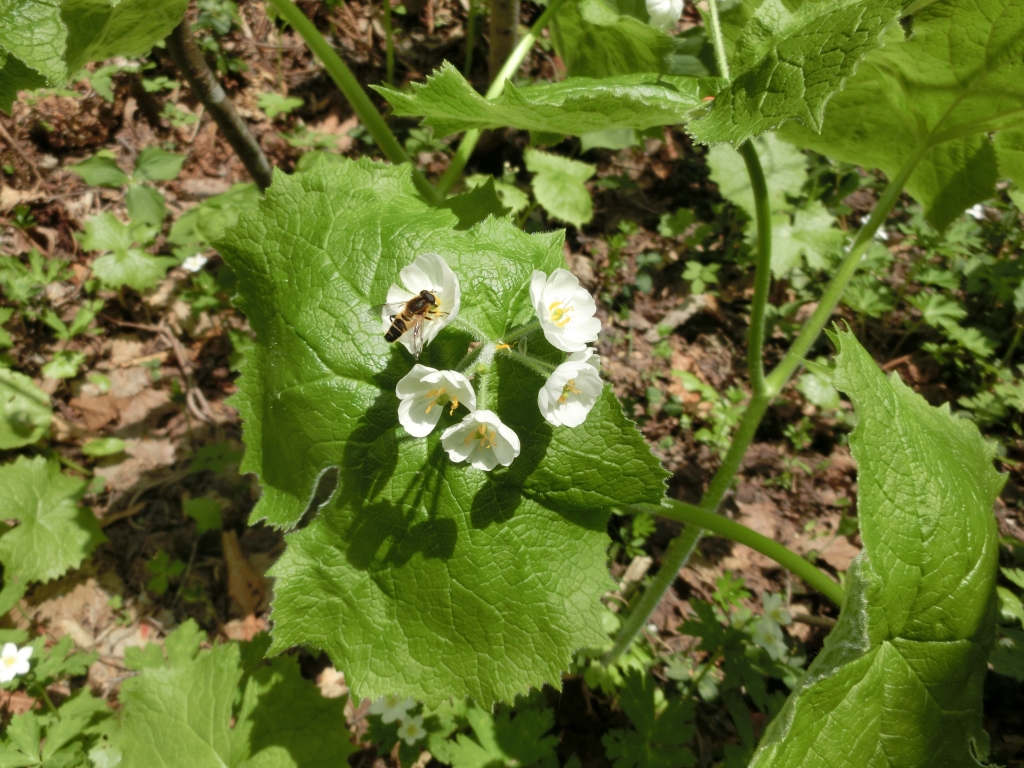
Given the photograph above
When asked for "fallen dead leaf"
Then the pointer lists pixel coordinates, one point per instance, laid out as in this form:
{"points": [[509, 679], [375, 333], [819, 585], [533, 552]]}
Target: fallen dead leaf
{"points": [[245, 629], [245, 586], [144, 455]]}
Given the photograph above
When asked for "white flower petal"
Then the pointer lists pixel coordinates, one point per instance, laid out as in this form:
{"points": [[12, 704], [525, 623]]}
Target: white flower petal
{"points": [[571, 391], [481, 439], [425, 392], [565, 310], [664, 13]]}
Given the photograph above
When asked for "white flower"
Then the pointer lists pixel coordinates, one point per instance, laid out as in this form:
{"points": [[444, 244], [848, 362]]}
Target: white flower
{"points": [[391, 708], [14, 662], [881, 234], [428, 273], [424, 393], [976, 212], [482, 440], [571, 390], [565, 310], [775, 609], [664, 13], [411, 729], [194, 263]]}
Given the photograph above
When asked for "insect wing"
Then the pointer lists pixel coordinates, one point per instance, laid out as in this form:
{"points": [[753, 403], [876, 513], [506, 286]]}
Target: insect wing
{"points": [[417, 338], [392, 309]]}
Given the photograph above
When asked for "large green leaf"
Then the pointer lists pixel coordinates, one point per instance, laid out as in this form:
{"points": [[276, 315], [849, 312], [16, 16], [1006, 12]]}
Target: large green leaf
{"points": [[899, 682], [789, 61], [417, 576], [32, 30], [595, 40], [558, 185], [571, 107], [53, 533], [102, 29], [211, 711], [25, 412], [50, 40], [945, 86]]}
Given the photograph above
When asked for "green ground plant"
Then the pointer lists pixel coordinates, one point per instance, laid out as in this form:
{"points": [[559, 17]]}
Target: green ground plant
{"points": [[453, 569]]}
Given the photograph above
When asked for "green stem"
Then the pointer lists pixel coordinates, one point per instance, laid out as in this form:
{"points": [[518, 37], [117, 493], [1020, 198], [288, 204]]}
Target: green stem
{"points": [[355, 94], [716, 40], [511, 66], [777, 379], [763, 269], [389, 42], [522, 331], [535, 364], [723, 526], [71, 464], [679, 551]]}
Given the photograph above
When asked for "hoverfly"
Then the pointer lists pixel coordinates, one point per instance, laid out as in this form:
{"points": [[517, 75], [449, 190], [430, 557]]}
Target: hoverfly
{"points": [[408, 317]]}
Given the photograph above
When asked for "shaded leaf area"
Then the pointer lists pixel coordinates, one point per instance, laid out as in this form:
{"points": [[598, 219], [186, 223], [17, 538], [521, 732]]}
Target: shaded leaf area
{"points": [[571, 107], [662, 729], [48, 41], [418, 576], [788, 62], [945, 87], [602, 39], [899, 682], [223, 706], [25, 412], [52, 532]]}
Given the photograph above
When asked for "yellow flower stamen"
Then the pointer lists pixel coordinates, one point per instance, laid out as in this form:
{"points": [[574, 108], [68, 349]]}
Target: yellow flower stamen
{"points": [[482, 433], [435, 396], [503, 346], [569, 389], [560, 314], [455, 404]]}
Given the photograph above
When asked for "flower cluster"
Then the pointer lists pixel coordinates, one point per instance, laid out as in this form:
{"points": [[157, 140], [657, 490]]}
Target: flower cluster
{"points": [[14, 662], [394, 707], [565, 314]]}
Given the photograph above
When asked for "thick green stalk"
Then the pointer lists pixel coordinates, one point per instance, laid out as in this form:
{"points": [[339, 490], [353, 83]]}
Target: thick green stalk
{"points": [[471, 137], [763, 269], [679, 551], [355, 94], [723, 526], [716, 40]]}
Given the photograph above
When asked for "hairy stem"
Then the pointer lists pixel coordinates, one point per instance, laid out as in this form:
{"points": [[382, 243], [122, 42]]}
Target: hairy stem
{"points": [[723, 526], [763, 269], [470, 138], [716, 39], [349, 86], [205, 86], [679, 551]]}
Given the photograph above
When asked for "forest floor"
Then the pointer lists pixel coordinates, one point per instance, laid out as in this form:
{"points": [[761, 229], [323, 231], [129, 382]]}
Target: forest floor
{"points": [[166, 370]]}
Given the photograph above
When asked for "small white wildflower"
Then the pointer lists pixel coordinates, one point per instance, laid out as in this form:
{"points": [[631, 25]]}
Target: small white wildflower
{"points": [[411, 730], [430, 273], [194, 263], [391, 708], [976, 212], [481, 439], [664, 13], [14, 662], [774, 608], [571, 390], [565, 310], [425, 392], [881, 234], [768, 635]]}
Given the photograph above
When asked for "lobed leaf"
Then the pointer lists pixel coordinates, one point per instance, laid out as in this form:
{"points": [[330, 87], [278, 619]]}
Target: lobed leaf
{"points": [[789, 61], [53, 533], [899, 682], [943, 87], [416, 576], [558, 185], [25, 412], [183, 712], [571, 107]]}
